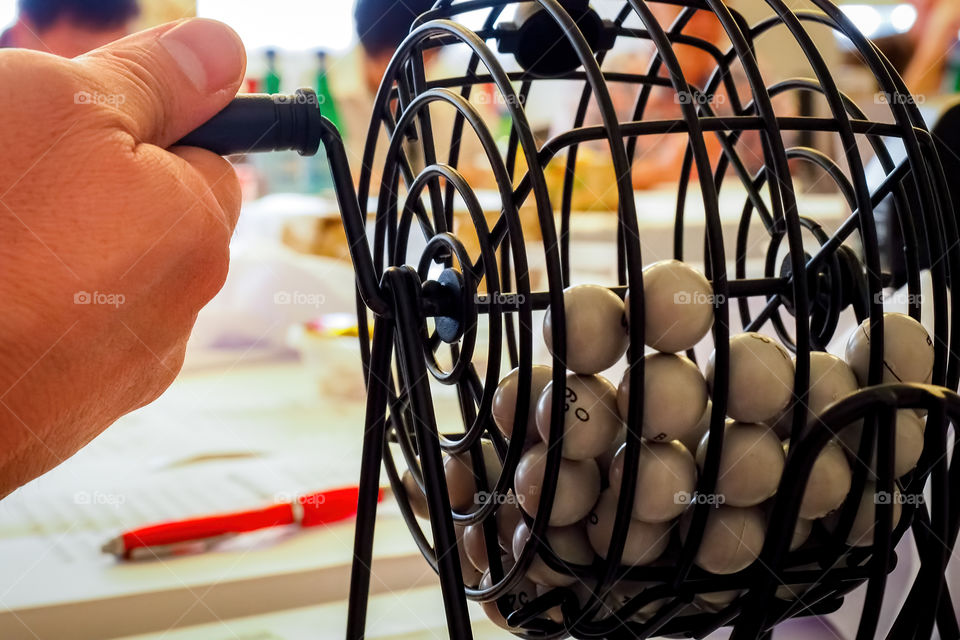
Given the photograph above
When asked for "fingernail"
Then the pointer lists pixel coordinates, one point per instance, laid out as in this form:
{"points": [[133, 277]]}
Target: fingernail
{"points": [[208, 52]]}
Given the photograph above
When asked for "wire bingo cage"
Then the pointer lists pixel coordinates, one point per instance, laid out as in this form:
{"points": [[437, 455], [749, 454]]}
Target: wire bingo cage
{"points": [[454, 304]]}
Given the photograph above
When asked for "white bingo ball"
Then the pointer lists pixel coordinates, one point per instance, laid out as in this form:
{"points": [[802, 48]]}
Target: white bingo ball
{"points": [[645, 541], [522, 594], [831, 379], [470, 574], [692, 440], [908, 442], [418, 501], [475, 546], [801, 533], [461, 482], [508, 516], [907, 350], [596, 328], [674, 393], [751, 463], [666, 480], [569, 544], [732, 539], [801, 530], [861, 533], [605, 459], [678, 306], [590, 420], [828, 483], [760, 378], [578, 486], [504, 406]]}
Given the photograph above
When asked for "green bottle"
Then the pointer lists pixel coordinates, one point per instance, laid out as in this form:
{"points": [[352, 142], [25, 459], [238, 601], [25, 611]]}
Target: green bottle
{"points": [[327, 104], [271, 81]]}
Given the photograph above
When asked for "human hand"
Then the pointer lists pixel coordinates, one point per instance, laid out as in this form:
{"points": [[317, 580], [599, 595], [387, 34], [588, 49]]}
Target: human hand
{"points": [[111, 242]]}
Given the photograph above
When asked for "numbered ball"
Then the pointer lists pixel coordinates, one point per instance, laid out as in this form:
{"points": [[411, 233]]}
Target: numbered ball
{"points": [[569, 544], [732, 539], [418, 501], [831, 379], [908, 444], [861, 533], [596, 329], [828, 483], [760, 378], [674, 393], [907, 350], [505, 401], [666, 479], [522, 594], [751, 463], [590, 420], [577, 487], [678, 306], [461, 481], [645, 541]]}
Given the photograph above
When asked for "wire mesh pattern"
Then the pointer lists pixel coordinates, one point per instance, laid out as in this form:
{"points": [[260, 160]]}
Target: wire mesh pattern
{"points": [[460, 303]]}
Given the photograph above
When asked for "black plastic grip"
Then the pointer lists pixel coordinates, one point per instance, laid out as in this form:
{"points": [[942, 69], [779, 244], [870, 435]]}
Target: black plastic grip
{"points": [[259, 122]]}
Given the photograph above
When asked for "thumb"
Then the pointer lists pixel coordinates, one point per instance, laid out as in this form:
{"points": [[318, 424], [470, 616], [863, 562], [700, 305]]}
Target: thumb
{"points": [[172, 78]]}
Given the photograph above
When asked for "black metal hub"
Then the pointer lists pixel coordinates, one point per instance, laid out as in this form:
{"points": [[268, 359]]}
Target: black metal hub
{"points": [[449, 299]]}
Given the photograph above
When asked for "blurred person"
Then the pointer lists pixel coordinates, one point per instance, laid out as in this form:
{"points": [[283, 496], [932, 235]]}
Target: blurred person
{"points": [[69, 28], [381, 26]]}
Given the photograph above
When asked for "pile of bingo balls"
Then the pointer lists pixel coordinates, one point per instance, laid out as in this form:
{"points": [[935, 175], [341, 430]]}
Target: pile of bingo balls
{"points": [[679, 310]]}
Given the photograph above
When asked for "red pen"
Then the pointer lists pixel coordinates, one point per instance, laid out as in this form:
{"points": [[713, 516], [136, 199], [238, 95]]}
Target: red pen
{"points": [[197, 534]]}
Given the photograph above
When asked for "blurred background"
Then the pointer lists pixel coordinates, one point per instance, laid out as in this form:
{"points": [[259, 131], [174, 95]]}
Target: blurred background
{"points": [[270, 402]]}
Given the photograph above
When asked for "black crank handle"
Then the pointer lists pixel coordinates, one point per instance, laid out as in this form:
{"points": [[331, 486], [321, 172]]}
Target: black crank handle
{"points": [[259, 122]]}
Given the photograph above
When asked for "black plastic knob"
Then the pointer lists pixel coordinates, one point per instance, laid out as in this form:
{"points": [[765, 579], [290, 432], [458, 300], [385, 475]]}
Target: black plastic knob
{"points": [[254, 123]]}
